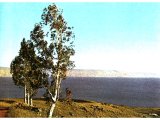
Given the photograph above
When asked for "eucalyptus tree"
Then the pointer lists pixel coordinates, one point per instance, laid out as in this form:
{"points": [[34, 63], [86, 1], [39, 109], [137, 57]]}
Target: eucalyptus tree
{"points": [[24, 71], [53, 40], [47, 54]]}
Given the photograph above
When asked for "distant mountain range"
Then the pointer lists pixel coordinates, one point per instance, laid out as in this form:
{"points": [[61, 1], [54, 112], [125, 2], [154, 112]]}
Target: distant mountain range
{"points": [[108, 73], [5, 72], [95, 73]]}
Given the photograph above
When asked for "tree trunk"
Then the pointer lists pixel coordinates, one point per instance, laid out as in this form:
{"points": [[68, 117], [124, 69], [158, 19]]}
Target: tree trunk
{"points": [[53, 103], [54, 98], [51, 110], [31, 102], [25, 94], [28, 96], [58, 90]]}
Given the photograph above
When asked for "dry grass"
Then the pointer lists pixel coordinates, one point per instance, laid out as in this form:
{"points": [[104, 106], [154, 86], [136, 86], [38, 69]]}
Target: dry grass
{"points": [[76, 109], [24, 111], [93, 110]]}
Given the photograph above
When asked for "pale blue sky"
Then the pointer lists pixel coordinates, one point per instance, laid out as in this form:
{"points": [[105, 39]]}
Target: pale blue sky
{"points": [[110, 36]]}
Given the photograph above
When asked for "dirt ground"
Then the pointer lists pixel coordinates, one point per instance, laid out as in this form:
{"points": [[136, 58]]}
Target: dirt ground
{"points": [[3, 111]]}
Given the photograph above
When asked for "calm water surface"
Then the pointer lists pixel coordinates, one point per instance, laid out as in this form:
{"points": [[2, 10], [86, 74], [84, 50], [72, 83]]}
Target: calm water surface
{"points": [[122, 91]]}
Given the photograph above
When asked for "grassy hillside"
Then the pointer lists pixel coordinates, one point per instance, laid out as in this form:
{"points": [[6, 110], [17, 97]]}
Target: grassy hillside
{"points": [[78, 109], [5, 72]]}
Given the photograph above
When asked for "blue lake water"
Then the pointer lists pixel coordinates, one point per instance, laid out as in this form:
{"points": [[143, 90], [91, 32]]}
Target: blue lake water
{"points": [[123, 91]]}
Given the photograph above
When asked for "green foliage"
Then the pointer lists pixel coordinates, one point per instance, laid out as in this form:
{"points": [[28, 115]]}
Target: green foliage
{"points": [[20, 66], [53, 43], [24, 68], [46, 54]]}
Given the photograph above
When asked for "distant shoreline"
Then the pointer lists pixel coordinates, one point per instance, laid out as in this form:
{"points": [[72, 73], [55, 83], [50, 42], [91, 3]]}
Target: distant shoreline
{"points": [[5, 72]]}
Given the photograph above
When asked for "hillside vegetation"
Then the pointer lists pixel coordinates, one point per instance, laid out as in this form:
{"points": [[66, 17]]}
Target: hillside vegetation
{"points": [[76, 109]]}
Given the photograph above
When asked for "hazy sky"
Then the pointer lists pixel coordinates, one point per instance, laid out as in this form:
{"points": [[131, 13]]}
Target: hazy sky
{"points": [[110, 36]]}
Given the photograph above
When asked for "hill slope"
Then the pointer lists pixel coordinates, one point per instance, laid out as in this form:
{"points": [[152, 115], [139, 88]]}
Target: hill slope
{"points": [[76, 109]]}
